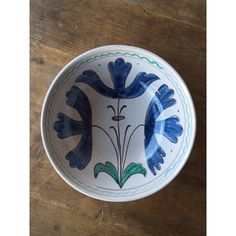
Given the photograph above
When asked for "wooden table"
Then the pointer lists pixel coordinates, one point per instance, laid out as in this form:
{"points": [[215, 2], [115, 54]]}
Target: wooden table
{"points": [[60, 30]]}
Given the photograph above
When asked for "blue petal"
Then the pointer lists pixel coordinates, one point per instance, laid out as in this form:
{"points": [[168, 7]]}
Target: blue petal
{"points": [[66, 127], [78, 100], [161, 101], [170, 128], [164, 95], [119, 71], [92, 79], [80, 156], [140, 84], [154, 154]]}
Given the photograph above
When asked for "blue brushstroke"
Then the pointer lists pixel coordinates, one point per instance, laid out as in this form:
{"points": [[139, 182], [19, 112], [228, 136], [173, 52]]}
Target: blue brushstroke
{"points": [[170, 127], [78, 100], [65, 127], [119, 71]]}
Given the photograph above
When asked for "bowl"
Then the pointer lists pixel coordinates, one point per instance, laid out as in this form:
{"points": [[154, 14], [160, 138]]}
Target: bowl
{"points": [[118, 123]]}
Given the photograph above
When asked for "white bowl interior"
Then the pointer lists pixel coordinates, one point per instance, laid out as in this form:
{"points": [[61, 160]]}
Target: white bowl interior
{"points": [[103, 186]]}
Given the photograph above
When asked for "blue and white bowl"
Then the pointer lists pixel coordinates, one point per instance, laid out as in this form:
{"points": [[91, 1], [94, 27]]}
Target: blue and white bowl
{"points": [[118, 123]]}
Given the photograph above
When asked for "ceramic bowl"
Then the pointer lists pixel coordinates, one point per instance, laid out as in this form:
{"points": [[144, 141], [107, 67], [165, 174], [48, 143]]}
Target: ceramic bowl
{"points": [[118, 123]]}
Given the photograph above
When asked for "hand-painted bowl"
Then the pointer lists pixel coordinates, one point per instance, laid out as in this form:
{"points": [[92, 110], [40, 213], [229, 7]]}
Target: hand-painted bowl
{"points": [[118, 123]]}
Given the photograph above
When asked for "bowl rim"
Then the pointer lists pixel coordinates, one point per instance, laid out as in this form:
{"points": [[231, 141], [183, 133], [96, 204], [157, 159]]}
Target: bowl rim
{"points": [[114, 198]]}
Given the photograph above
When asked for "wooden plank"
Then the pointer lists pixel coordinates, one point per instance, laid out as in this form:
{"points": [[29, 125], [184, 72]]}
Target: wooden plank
{"points": [[68, 27], [188, 12], [62, 29]]}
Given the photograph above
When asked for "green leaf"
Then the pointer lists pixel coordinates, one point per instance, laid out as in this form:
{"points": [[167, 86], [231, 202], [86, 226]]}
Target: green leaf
{"points": [[108, 168], [132, 169]]}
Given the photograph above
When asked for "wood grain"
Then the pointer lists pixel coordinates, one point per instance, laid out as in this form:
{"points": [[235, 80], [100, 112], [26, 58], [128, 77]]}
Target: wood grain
{"points": [[60, 30]]}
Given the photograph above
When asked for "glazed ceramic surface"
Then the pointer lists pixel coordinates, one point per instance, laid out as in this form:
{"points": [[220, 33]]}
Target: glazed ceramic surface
{"points": [[118, 123]]}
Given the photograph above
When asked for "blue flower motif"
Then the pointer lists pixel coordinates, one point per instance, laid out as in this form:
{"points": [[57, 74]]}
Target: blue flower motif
{"points": [[170, 127], [119, 71], [65, 127]]}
